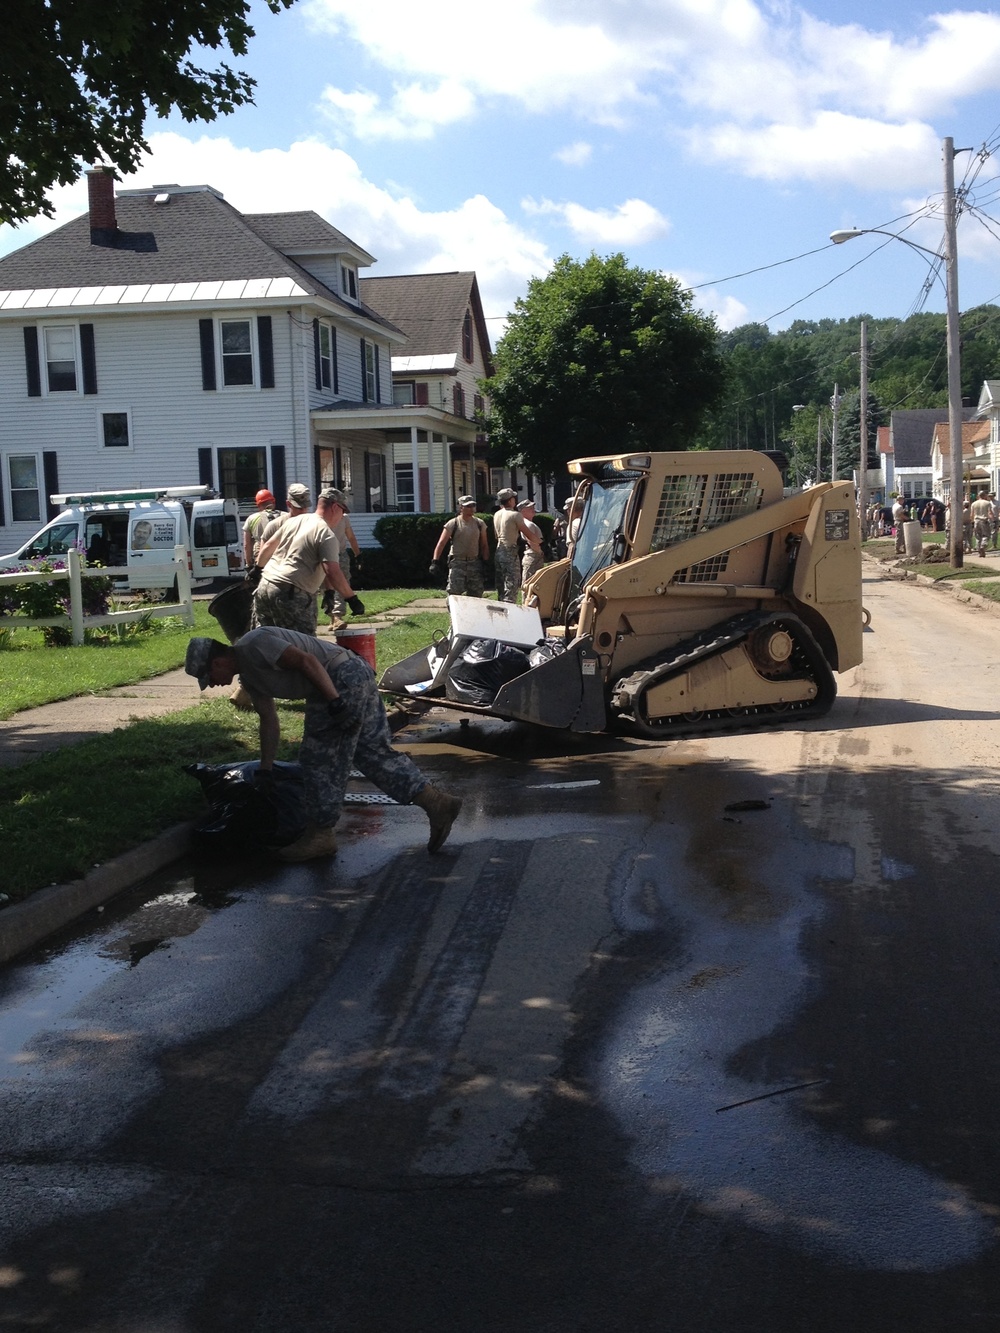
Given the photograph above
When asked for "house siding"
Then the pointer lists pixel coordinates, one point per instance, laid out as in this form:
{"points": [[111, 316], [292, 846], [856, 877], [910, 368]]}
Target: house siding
{"points": [[149, 365]]}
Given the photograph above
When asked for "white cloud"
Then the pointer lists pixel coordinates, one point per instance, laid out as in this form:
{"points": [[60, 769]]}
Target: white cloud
{"points": [[632, 223], [575, 154], [414, 112], [764, 87], [830, 147], [404, 238]]}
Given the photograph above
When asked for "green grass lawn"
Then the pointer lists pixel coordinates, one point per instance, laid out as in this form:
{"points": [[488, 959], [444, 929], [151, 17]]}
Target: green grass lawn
{"points": [[32, 674], [50, 833]]}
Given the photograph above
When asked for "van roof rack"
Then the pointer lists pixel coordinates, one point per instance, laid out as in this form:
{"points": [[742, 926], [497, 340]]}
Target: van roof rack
{"points": [[135, 496]]}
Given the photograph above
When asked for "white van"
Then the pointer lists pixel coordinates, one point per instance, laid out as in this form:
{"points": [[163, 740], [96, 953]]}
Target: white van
{"points": [[139, 529]]}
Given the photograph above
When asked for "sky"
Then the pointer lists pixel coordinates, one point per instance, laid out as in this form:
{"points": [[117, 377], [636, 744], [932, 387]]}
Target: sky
{"points": [[717, 141]]}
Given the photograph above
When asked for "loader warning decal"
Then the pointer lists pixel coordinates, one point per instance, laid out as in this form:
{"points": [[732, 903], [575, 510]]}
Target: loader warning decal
{"points": [[838, 525]]}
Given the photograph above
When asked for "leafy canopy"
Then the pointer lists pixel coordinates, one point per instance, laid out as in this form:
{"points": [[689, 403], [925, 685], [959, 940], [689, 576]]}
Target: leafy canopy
{"points": [[600, 357], [77, 78]]}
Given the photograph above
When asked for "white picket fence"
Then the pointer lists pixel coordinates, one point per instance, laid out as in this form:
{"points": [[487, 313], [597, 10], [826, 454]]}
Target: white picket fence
{"points": [[75, 572]]}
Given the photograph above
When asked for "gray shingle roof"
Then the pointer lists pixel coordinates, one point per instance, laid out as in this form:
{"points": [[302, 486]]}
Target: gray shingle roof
{"points": [[912, 433], [304, 233], [196, 237], [429, 308]]}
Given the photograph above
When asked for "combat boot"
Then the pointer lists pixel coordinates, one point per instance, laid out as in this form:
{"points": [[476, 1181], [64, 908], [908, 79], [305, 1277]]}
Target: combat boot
{"points": [[442, 811], [309, 845]]}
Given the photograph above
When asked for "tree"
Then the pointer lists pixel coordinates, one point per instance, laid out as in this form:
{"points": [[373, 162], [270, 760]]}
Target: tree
{"points": [[600, 357], [77, 78]]}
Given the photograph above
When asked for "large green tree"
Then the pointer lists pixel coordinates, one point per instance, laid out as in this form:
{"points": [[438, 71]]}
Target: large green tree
{"points": [[77, 78], [600, 357]]}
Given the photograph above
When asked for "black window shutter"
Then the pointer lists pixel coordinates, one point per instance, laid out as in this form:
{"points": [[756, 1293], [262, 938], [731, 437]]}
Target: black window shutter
{"points": [[50, 474], [206, 473], [206, 331], [378, 378], [31, 365], [316, 366], [89, 357], [265, 345], [333, 353], [364, 374], [279, 478]]}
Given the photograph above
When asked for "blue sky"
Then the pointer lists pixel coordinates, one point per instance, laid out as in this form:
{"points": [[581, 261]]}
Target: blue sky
{"points": [[703, 138]]}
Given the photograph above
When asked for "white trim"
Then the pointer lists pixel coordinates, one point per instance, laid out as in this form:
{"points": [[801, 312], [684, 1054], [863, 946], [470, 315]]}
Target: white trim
{"points": [[8, 488], [115, 448]]}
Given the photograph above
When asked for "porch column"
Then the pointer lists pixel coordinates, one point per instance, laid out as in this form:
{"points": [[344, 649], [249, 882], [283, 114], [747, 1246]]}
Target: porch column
{"points": [[415, 455]]}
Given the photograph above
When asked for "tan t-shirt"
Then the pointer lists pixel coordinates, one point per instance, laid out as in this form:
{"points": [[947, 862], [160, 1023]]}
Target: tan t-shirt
{"points": [[306, 543], [506, 527], [464, 537]]}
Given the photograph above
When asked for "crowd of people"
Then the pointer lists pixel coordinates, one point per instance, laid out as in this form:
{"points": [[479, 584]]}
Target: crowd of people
{"points": [[980, 519], [520, 545]]}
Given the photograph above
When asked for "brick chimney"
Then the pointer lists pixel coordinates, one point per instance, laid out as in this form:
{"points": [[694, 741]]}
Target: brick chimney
{"points": [[101, 199]]}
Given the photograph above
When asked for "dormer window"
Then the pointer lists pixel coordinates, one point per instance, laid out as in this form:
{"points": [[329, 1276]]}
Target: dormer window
{"points": [[349, 282]]}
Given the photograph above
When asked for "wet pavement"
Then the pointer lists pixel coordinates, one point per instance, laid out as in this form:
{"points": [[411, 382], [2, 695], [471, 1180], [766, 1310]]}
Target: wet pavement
{"points": [[693, 1036]]}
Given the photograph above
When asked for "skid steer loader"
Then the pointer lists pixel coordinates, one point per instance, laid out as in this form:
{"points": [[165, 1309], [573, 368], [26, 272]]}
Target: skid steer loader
{"points": [[697, 598]]}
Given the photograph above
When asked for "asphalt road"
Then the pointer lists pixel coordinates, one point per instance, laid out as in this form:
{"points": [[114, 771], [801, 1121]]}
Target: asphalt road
{"points": [[622, 1058]]}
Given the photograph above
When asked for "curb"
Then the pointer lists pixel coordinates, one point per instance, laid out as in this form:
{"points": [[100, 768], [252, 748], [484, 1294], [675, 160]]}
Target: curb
{"points": [[27, 923], [952, 587]]}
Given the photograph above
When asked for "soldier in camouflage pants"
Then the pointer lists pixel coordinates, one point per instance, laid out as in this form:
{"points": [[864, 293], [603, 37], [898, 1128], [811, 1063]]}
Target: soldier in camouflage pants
{"points": [[345, 724], [284, 605]]}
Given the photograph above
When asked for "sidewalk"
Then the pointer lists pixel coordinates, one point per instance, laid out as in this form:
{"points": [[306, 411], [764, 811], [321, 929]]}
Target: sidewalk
{"points": [[38, 731]]}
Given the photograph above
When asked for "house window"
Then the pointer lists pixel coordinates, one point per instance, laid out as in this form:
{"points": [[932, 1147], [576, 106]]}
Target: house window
{"points": [[349, 282], [60, 357], [404, 487], [116, 430], [25, 494], [467, 336], [459, 397], [237, 351], [325, 356], [375, 482], [404, 393], [371, 382], [242, 473]]}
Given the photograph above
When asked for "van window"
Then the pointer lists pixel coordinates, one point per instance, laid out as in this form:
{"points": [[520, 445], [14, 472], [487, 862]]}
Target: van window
{"points": [[215, 530], [53, 541]]}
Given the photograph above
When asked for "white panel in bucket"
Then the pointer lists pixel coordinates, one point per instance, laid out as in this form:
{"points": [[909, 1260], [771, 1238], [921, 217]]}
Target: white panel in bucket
{"points": [[475, 618]]}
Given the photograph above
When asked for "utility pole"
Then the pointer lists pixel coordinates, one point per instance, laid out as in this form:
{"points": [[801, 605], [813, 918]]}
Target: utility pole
{"points": [[863, 473], [819, 446], [835, 404], [954, 353]]}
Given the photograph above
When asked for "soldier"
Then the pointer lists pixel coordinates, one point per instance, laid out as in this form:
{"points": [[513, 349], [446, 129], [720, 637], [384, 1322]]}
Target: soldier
{"points": [[533, 558], [345, 725], [301, 558], [255, 525], [470, 549], [508, 526]]}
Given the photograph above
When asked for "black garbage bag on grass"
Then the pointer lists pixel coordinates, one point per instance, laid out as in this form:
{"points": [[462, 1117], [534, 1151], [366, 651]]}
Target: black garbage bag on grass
{"points": [[481, 669], [244, 817]]}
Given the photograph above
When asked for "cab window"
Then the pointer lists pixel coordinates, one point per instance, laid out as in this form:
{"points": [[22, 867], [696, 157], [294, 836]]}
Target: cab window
{"points": [[53, 541]]}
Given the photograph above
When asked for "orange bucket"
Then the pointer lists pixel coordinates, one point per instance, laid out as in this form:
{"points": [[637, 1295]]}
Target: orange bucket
{"points": [[359, 639]]}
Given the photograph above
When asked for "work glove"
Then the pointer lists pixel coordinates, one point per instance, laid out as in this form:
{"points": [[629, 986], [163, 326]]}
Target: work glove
{"points": [[357, 605], [329, 602], [434, 567], [254, 575]]}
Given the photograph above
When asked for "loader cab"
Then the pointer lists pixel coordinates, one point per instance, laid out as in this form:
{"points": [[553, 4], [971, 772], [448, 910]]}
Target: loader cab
{"points": [[609, 501]]}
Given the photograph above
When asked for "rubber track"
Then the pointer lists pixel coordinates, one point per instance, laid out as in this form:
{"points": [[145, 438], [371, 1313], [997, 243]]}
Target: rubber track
{"points": [[808, 659]]}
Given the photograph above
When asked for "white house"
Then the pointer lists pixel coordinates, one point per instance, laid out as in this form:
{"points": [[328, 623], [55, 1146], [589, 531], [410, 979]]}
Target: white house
{"points": [[165, 338]]}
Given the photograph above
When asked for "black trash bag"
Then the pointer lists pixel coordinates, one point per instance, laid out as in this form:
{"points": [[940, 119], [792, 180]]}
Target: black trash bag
{"points": [[544, 651], [244, 818], [482, 668]]}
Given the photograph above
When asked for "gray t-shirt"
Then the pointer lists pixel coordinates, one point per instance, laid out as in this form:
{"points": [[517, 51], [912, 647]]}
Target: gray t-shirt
{"points": [[257, 654]]}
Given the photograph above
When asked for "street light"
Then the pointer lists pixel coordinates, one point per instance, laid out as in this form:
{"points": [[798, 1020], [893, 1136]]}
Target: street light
{"points": [[950, 260]]}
